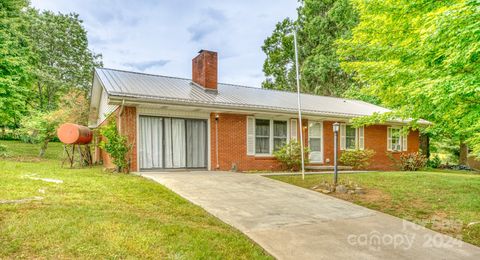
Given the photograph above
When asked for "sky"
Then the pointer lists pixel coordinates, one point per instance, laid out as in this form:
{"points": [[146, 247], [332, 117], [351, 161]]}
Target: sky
{"points": [[161, 37]]}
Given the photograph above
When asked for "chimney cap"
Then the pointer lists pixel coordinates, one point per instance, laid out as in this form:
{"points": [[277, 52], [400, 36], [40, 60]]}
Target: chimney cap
{"points": [[203, 50]]}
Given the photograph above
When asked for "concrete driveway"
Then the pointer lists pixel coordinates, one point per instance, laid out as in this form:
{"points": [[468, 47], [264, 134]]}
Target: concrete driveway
{"points": [[296, 223]]}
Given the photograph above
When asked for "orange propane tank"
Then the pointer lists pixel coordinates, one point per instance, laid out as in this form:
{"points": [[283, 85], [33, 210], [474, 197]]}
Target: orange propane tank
{"points": [[74, 134]]}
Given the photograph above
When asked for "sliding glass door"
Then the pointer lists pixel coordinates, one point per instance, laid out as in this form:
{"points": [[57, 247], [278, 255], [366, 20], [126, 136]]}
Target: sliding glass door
{"points": [[175, 145], [172, 143], [196, 143], [151, 142]]}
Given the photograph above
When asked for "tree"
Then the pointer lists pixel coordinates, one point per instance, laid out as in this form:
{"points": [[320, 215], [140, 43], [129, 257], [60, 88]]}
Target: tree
{"points": [[14, 62], [62, 60], [41, 126], [422, 59], [319, 24]]}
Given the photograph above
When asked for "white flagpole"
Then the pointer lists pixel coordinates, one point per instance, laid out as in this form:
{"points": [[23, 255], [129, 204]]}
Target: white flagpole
{"points": [[299, 104]]}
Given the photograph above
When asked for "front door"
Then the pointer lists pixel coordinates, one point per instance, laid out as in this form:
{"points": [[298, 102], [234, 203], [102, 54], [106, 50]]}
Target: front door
{"points": [[315, 131], [172, 143]]}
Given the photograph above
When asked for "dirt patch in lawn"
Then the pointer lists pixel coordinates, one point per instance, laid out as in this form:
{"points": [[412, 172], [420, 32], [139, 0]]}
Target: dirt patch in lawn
{"points": [[24, 159], [371, 196], [442, 222]]}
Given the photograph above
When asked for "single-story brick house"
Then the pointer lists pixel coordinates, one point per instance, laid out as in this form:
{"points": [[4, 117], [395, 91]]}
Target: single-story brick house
{"points": [[199, 123]]}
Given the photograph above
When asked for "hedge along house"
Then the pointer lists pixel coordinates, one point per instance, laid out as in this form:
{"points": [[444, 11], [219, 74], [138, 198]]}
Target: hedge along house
{"points": [[198, 123]]}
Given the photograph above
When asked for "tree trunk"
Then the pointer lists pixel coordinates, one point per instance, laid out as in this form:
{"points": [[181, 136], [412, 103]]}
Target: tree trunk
{"points": [[425, 144], [462, 160], [43, 149]]}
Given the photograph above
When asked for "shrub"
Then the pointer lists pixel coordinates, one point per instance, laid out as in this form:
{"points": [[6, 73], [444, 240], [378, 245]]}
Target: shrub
{"points": [[412, 161], [40, 127], [3, 150], [9, 136], [290, 155], [434, 162], [358, 159], [115, 145]]}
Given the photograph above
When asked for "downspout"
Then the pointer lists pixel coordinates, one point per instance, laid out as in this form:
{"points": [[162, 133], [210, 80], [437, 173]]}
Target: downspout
{"points": [[120, 116], [216, 141], [119, 125]]}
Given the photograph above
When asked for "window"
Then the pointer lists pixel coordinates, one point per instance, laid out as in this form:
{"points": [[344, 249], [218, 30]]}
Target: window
{"points": [[262, 136], [269, 134], [350, 137], [395, 139], [279, 134]]}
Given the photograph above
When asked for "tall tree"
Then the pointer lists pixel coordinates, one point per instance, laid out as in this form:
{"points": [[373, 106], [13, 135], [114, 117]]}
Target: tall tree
{"points": [[62, 60], [320, 23], [422, 59], [14, 62]]}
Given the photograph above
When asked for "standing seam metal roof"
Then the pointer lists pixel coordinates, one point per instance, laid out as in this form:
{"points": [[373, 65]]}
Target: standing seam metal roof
{"points": [[138, 85]]}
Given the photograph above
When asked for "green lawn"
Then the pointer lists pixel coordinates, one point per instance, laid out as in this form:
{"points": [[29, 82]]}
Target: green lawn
{"points": [[93, 214], [431, 198]]}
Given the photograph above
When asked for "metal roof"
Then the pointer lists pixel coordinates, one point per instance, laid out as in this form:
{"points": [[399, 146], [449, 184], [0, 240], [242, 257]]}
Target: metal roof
{"points": [[126, 84]]}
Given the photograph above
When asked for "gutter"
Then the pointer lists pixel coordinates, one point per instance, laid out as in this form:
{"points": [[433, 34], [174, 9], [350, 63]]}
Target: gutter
{"points": [[213, 106], [248, 109]]}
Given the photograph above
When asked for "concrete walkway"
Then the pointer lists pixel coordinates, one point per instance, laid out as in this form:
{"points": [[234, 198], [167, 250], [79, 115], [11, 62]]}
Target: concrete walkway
{"points": [[296, 223]]}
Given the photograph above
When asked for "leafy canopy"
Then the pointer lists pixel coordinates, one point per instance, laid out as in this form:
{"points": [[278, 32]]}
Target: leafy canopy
{"points": [[14, 63], [421, 58], [320, 23], [62, 60], [43, 56]]}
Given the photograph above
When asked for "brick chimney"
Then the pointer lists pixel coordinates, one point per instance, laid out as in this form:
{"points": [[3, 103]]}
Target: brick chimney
{"points": [[204, 69]]}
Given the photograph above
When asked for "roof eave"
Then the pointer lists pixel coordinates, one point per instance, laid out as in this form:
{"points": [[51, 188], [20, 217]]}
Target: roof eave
{"points": [[118, 97]]}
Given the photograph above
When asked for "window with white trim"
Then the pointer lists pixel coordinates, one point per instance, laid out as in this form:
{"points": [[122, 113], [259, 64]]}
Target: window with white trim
{"points": [[396, 141], [270, 135], [262, 136], [351, 138], [279, 134]]}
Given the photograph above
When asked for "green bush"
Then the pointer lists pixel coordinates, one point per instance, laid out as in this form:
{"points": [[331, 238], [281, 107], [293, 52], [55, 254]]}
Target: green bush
{"points": [[3, 150], [115, 145], [290, 155], [358, 159], [9, 136], [435, 162], [412, 161]]}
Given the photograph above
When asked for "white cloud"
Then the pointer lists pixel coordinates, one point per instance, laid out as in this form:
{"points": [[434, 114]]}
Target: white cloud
{"points": [[162, 37]]}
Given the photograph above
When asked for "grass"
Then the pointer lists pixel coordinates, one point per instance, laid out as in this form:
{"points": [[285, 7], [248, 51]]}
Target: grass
{"points": [[93, 214], [438, 199]]}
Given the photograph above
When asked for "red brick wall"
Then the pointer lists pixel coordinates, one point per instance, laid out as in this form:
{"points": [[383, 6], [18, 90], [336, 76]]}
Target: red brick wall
{"points": [[328, 142], [375, 139], [233, 148], [127, 123]]}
